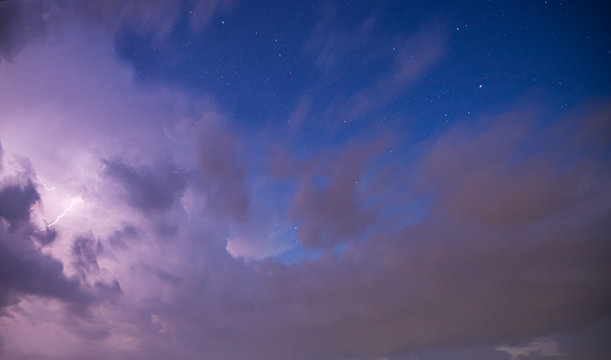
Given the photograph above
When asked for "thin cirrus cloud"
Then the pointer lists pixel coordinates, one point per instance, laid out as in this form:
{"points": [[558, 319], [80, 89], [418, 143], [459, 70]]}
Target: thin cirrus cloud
{"points": [[414, 57], [177, 249], [24, 22], [411, 57]]}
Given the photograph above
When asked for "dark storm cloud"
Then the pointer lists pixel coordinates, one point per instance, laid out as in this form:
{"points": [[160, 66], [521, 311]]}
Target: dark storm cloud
{"points": [[25, 21], [16, 201], [104, 291], [84, 251], [148, 189], [46, 236], [24, 269]]}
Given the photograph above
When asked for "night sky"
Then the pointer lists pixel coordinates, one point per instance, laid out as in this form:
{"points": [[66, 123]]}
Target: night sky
{"points": [[305, 180]]}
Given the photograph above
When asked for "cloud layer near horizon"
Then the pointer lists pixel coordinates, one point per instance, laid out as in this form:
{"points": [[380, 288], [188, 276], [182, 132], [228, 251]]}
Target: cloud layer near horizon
{"points": [[491, 233]]}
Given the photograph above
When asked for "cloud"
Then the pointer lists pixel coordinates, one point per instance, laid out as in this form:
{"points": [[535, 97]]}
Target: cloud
{"points": [[589, 342], [25, 270], [454, 278], [1, 158], [16, 201], [512, 246], [461, 353], [328, 203], [122, 238], [148, 189], [223, 176], [499, 186], [84, 254], [407, 60], [22, 22], [414, 58], [331, 43], [540, 348], [29, 272]]}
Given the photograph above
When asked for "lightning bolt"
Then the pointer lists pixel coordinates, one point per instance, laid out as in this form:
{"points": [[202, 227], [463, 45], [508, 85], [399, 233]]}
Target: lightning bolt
{"points": [[49, 189], [73, 202]]}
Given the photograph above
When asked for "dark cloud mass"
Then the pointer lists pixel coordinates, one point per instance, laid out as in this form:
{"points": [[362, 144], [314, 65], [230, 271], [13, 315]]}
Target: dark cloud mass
{"points": [[24, 269], [16, 201], [84, 253], [148, 189], [24, 21]]}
